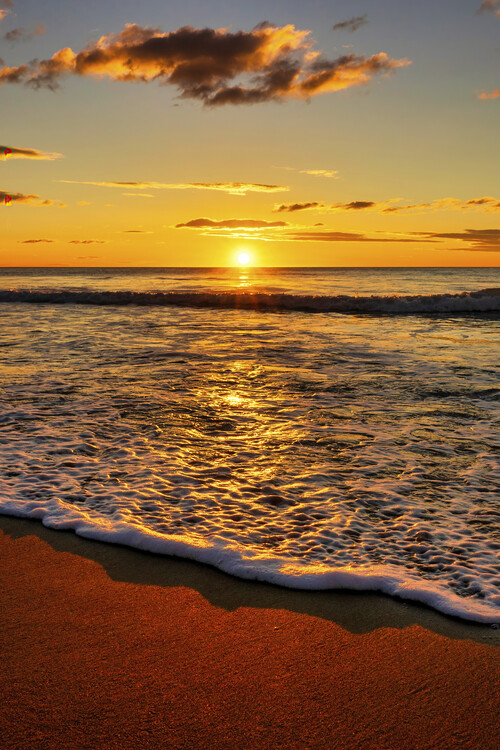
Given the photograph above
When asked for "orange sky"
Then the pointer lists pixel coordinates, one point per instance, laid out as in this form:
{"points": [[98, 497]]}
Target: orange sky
{"points": [[324, 138]]}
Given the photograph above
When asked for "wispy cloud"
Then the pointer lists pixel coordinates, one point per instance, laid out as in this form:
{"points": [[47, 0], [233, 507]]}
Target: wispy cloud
{"points": [[485, 204], [353, 24], [86, 242], [292, 207], [30, 200], [32, 242], [495, 94], [360, 205], [333, 173], [321, 172], [233, 188], [214, 66], [334, 236], [231, 224], [28, 153], [21, 34], [493, 6], [482, 240]]}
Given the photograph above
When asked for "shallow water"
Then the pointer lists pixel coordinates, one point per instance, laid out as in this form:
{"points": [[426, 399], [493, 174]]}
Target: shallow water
{"points": [[314, 451]]}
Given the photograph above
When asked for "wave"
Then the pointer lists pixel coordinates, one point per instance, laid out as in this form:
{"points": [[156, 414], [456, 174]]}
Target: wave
{"points": [[289, 573], [484, 300]]}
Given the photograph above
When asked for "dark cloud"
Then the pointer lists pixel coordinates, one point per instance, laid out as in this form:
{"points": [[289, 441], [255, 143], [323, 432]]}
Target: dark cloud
{"points": [[17, 35], [275, 62], [291, 207], [353, 24], [86, 242], [6, 4], [233, 188], [355, 205], [306, 206], [486, 204], [483, 240], [29, 242], [348, 237], [231, 224], [28, 153], [483, 202], [33, 200]]}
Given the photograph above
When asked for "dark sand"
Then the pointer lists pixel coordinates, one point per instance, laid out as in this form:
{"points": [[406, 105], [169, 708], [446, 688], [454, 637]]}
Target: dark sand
{"points": [[107, 647]]}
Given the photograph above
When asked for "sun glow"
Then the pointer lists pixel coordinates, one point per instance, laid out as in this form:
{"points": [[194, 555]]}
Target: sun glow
{"points": [[243, 259]]}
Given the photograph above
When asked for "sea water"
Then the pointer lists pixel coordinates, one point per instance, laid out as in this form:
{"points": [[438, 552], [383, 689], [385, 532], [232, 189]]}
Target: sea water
{"points": [[312, 428]]}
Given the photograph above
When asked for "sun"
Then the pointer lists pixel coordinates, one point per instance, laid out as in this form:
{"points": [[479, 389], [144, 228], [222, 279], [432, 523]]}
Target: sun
{"points": [[243, 259]]}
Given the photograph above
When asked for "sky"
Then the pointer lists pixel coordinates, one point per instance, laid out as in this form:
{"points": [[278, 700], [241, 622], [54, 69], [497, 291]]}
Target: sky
{"points": [[187, 132]]}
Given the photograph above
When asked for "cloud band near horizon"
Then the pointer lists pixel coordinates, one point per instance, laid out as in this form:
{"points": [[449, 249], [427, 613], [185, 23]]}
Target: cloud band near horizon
{"points": [[276, 63], [233, 188]]}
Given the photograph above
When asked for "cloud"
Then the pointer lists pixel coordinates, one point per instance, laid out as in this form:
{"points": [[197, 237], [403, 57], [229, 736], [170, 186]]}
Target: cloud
{"points": [[88, 257], [207, 65], [483, 240], [495, 94], [490, 5], [315, 172], [334, 207], [353, 24], [485, 204], [233, 188], [33, 200], [86, 242], [29, 153], [335, 236], [29, 242], [231, 224], [355, 205], [5, 4], [20, 34], [291, 207], [321, 172], [136, 231]]}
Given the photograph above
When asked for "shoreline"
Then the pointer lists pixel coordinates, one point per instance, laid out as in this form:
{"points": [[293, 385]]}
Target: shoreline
{"points": [[358, 611], [108, 646]]}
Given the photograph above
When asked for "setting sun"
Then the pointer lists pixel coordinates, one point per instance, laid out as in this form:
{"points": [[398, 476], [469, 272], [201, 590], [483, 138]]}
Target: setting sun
{"points": [[243, 259]]}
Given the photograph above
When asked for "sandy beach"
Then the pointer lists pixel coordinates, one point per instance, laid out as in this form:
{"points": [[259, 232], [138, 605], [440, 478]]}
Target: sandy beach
{"points": [[108, 647]]}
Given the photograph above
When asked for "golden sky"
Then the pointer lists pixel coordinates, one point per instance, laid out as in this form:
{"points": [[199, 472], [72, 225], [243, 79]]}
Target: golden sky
{"points": [[183, 134]]}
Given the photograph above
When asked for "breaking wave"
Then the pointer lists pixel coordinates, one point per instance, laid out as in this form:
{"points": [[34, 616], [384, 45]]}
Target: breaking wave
{"points": [[481, 301]]}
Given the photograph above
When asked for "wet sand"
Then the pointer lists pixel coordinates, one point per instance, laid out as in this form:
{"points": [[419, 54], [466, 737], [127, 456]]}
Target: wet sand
{"points": [[107, 647]]}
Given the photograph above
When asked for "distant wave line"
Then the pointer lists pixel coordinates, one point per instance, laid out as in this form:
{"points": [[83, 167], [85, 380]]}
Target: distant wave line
{"points": [[484, 300]]}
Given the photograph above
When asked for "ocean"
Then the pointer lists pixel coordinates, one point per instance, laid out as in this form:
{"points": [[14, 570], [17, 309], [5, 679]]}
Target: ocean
{"points": [[315, 428]]}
